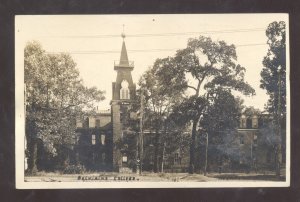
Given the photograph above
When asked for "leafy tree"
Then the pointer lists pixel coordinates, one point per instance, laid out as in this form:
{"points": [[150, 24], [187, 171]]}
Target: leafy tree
{"points": [[273, 80], [276, 56], [159, 101], [219, 124], [202, 66], [55, 95]]}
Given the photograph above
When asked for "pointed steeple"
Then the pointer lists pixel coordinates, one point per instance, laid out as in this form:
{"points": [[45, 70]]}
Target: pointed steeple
{"points": [[123, 62], [124, 57]]}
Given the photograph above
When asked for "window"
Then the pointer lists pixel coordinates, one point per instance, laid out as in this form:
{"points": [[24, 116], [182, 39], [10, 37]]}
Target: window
{"points": [[93, 139], [249, 123], [176, 158], [124, 159], [243, 122], [124, 92], [255, 139], [98, 123], [102, 138], [255, 122], [242, 139]]}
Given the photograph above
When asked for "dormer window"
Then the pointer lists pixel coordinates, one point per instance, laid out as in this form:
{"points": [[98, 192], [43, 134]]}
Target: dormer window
{"points": [[124, 92], [254, 122], [243, 121]]}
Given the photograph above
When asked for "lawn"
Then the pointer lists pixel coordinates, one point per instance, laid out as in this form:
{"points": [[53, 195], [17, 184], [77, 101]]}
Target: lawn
{"points": [[149, 177]]}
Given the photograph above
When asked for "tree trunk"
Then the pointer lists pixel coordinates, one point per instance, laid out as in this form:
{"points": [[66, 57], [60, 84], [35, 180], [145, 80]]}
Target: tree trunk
{"points": [[155, 163], [32, 146], [163, 158], [192, 148], [32, 167], [206, 157]]}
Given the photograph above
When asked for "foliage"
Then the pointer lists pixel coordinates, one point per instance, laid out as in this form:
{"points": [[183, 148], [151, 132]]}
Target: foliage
{"points": [[159, 100], [276, 56], [203, 66], [74, 169], [219, 124], [55, 95], [273, 80], [221, 116]]}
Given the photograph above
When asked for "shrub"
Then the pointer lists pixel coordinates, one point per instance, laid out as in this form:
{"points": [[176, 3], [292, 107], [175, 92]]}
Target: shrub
{"points": [[74, 169]]}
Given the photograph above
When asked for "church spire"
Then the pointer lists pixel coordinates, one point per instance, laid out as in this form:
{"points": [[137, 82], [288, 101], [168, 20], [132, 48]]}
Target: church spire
{"points": [[124, 62], [124, 57]]}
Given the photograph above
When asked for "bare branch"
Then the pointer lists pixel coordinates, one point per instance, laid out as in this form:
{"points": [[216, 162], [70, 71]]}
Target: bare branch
{"points": [[192, 87]]}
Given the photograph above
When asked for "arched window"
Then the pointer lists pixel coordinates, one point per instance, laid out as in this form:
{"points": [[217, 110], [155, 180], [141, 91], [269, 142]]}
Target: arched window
{"points": [[124, 92]]}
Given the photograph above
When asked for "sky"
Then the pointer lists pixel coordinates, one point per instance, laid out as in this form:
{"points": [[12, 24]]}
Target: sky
{"points": [[94, 42]]}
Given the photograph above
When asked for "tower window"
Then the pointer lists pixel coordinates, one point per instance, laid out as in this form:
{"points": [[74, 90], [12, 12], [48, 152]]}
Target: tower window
{"points": [[124, 92]]}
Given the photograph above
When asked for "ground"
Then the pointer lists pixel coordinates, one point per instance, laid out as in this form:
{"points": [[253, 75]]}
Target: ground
{"points": [[151, 177]]}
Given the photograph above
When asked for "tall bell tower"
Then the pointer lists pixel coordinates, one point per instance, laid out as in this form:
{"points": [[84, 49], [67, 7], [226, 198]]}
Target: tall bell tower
{"points": [[123, 95]]}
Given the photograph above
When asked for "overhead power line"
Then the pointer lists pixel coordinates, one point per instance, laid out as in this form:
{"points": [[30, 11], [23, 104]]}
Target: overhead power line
{"points": [[161, 34], [137, 51]]}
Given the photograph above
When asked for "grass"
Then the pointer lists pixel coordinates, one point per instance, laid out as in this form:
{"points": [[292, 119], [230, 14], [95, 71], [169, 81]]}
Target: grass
{"points": [[156, 177]]}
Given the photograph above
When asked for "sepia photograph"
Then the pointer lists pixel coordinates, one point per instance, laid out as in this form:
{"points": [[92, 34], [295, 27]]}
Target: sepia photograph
{"points": [[152, 101]]}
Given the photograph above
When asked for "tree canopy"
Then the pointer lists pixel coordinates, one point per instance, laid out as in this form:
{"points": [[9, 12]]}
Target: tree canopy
{"points": [[275, 58], [159, 100], [55, 95], [203, 66]]}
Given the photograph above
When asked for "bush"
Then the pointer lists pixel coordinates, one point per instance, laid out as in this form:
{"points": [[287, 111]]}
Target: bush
{"points": [[74, 169]]}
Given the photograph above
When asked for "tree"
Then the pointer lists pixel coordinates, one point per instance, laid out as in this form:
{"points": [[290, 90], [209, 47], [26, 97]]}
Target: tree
{"points": [[275, 58], [55, 95], [219, 126], [159, 101], [202, 66], [273, 80]]}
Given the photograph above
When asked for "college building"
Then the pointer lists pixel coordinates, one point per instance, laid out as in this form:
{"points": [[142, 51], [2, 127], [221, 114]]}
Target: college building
{"points": [[101, 138]]}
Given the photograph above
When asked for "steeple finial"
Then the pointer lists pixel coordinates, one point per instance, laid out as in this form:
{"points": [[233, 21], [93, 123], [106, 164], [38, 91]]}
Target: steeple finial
{"points": [[123, 33]]}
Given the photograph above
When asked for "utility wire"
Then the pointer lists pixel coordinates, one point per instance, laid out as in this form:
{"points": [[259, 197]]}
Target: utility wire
{"points": [[161, 34], [137, 51]]}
